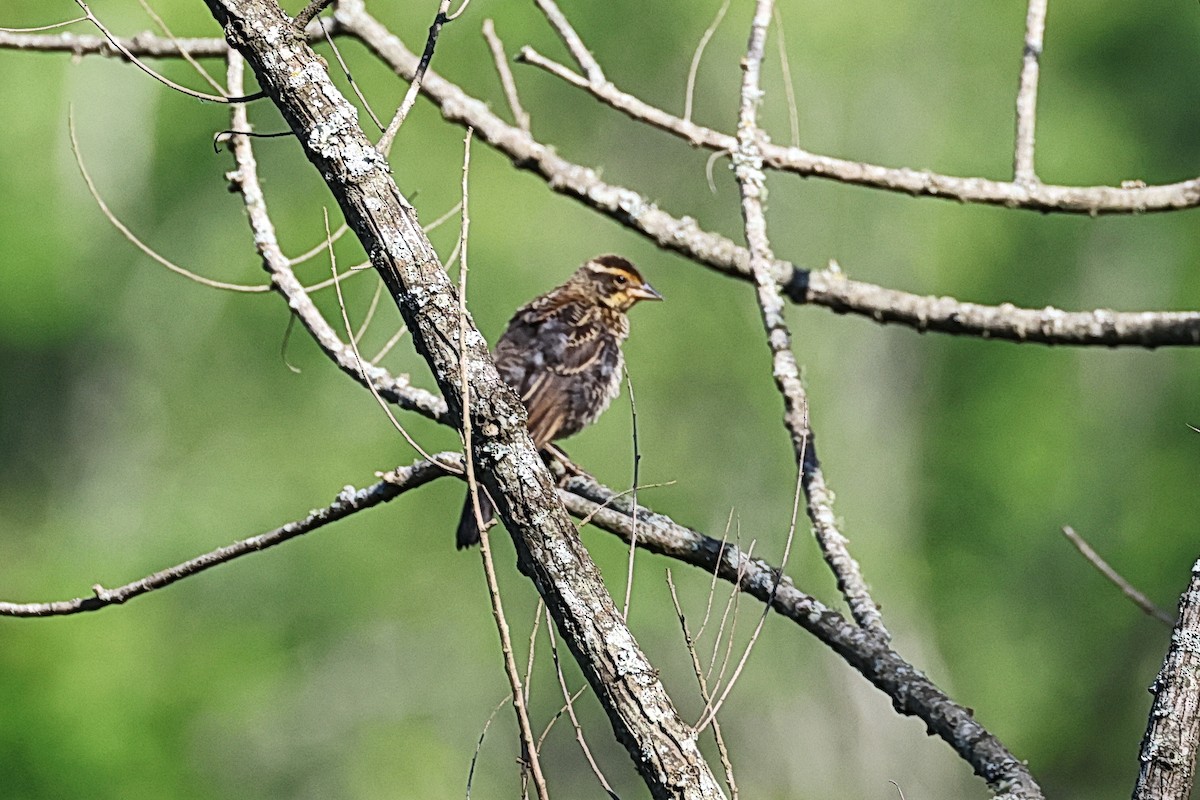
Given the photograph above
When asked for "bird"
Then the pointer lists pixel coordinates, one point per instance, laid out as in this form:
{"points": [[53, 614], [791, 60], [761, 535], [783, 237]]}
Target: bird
{"points": [[561, 354]]}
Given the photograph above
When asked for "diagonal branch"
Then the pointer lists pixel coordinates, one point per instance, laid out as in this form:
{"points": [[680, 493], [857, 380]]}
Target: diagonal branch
{"points": [[1168, 757], [911, 692], [829, 288], [662, 747], [752, 185], [349, 501]]}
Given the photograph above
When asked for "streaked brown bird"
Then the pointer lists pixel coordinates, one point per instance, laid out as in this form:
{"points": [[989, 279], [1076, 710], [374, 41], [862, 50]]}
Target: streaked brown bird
{"points": [[561, 353]]}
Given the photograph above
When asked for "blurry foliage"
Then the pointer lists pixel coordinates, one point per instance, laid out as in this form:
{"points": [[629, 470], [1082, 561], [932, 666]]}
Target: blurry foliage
{"points": [[144, 419]]}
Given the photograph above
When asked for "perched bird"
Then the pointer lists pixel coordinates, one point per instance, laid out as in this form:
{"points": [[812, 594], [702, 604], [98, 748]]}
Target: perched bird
{"points": [[561, 353]]}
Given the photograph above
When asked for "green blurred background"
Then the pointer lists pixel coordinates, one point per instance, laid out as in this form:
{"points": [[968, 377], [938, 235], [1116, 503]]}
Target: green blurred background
{"points": [[144, 419]]}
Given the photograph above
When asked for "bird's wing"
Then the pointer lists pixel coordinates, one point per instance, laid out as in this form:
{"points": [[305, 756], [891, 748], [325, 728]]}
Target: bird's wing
{"points": [[552, 358]]}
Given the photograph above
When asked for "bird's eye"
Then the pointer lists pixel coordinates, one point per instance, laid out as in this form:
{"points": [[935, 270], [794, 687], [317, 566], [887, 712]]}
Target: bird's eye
{"points": [[621, 280]]}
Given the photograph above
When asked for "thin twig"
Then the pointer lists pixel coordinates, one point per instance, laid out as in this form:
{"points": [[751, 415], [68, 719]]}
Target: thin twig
{"points": [[500, 59], [698, 671], [1035, 29], [138, 243], [390, 343], [188, 57], [353, 341], [49, 27], [789, 87], [489, 568], [735, 596], [384, 145], [714, 708], [370, 315], [337, 53], [587, 62], [320, 248], [712, 585], [533, 632], [479, 744], [569, 702], [694, 68], [349, 501], [115, 42], [1140, 600], [637, 462]]}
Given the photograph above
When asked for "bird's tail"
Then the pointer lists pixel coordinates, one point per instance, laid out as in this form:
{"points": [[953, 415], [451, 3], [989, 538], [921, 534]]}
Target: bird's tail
{"points": [[468, 530]]}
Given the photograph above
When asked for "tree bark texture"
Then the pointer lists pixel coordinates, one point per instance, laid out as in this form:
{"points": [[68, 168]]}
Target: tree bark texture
{"points": [[1168, 758], [662, 746]]}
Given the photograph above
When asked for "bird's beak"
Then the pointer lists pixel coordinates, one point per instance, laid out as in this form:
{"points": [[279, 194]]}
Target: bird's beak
{"points": [[645, 292]]}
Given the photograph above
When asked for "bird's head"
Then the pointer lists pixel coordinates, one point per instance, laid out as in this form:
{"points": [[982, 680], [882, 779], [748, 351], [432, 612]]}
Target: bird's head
{"points": [[615, 282]]}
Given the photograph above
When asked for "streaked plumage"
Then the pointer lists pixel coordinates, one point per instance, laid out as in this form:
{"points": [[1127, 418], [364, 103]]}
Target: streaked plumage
{"points": [[561, 353]]}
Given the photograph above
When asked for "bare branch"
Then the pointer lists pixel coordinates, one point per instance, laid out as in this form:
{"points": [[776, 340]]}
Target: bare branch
{"points": [[752, 184], [579, 51], [348, 501], [384, 145], [911, 692], [1140, 600], [1035, 29], [138, 243], [188, 57], [337, 53], [1091, 200], [309, 13], [506, 77], [698, 671], [244, 179], [116, 43], [829, 288], [1168, 756], [569, 704], [548, 549]]}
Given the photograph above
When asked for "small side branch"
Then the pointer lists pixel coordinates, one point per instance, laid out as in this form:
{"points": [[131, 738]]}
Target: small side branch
{"points": [[587, 62], [1035, 29], [1168, 757], [1128, 589], [348, 501]]}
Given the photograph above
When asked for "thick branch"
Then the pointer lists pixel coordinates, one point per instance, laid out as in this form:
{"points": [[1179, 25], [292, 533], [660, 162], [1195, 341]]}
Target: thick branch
{"points": [[662, 746], [911, 692], [1168, 758], [752, 186]]}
